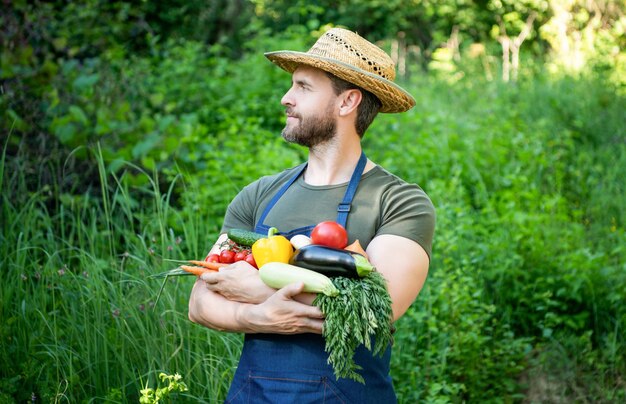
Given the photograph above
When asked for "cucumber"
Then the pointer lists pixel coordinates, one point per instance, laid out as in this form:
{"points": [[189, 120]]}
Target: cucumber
{"points": [[244, 237]]}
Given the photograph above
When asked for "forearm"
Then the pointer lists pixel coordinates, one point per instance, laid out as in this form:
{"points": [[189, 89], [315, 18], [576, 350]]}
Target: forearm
{"points": [[287, 311], [213, 310]]}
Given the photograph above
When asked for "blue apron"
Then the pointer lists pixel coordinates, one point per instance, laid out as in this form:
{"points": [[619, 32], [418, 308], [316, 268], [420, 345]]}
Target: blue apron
{"points": [[276, 368]]}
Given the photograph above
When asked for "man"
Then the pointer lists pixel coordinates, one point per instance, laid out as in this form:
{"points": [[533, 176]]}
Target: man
{"points": [[338, 87]]}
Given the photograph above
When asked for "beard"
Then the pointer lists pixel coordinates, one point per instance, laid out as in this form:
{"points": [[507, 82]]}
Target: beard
{"points": [[312, 130]]}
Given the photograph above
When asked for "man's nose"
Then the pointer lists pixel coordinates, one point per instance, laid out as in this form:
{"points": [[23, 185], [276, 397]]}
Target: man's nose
{"points": [[287, 99]]}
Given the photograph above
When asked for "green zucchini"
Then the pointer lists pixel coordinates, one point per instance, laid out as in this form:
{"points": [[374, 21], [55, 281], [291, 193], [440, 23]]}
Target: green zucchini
{"points": [[244, 237], [278, 275]]}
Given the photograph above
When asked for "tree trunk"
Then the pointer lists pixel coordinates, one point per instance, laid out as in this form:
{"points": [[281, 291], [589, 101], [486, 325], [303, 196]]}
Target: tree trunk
{"points": [[511, 47], [505, 41]]}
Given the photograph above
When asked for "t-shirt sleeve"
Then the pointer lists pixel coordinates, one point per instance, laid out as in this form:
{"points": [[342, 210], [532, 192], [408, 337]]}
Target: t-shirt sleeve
{"points": [[240, 211], [409, 213]]}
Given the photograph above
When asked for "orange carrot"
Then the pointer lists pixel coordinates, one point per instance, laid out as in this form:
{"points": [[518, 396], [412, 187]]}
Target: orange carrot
{"points": [[208, 265], [194, 270], [356, 247]]}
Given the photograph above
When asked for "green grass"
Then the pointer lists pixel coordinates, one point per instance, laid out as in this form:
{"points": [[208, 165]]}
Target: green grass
{"points": [[78, 306], [527, 283]]}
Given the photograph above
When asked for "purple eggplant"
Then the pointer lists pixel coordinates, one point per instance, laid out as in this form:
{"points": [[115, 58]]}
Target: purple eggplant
{"points": [[332, 261]]}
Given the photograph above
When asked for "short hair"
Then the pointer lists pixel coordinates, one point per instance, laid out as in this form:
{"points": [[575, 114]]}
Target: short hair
{"points": [[367, 109]]}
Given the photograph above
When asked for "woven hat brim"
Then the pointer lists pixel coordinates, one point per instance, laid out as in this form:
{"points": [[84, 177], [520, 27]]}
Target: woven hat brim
{"points": [[393, 97]]}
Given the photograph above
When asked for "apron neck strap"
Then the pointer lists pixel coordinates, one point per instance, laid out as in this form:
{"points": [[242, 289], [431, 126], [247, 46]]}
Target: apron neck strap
{"points": [[260, 224], [344, 207]]}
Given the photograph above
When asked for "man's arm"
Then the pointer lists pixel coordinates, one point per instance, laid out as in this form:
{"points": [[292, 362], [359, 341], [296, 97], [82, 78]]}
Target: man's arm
{"points": [[235, 299], [279, 314], [404, 264]]}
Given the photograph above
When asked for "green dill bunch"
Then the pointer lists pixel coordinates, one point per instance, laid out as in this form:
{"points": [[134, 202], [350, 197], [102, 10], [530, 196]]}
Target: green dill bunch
{"points": [[359, 315]]}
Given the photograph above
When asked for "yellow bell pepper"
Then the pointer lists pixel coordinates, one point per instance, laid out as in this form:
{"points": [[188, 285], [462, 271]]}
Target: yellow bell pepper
{"points": [[274, 248]]}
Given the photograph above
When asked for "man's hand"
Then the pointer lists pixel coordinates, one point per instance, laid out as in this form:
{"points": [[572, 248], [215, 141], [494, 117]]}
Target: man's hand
{"points": [[282, 314], [236, 299], [285, 312], [238, 282]]}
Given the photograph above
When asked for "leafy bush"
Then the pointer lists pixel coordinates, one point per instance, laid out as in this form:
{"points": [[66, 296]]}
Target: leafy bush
{"points": [[525, 260], [115, 164]]}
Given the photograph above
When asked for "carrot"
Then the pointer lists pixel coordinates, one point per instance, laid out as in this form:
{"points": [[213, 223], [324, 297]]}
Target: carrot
{"points": [[208, 265], [194, 270], [356, 248]]}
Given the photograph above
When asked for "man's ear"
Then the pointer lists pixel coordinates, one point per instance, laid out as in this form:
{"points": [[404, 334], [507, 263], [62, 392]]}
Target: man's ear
{"points": [[350, 100]]}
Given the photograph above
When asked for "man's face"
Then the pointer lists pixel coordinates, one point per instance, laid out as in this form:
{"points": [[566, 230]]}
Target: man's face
{"points": [[311, 108]]}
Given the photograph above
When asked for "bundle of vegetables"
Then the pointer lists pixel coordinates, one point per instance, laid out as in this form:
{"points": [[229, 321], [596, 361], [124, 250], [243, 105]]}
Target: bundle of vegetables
{"points": [[351, 294]]}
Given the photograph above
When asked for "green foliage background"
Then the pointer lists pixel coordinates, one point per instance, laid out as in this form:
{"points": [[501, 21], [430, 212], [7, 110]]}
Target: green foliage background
{"points": [[122, 144]]}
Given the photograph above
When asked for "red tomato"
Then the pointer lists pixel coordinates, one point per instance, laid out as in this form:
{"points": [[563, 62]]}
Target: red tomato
{"points": [[241, 255], [250, 260], [227, 257], [212, 258], [330, 234]]}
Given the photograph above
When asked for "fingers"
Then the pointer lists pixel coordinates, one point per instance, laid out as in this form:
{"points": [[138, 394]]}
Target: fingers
{"points": [[316, 326], [308, 324], [291, 290], [303, 310], [213, 277], [210, 277]]}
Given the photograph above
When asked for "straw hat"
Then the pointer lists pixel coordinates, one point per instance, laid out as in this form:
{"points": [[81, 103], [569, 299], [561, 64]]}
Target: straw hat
{"points": [[352, 58]]}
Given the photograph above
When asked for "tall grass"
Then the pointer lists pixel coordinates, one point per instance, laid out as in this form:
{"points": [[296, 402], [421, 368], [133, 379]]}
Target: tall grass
{"points": [[78, 303]]}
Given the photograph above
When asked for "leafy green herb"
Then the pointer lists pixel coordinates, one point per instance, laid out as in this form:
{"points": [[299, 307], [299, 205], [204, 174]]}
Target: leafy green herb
{"points": [[360, 314], [154, 396]]}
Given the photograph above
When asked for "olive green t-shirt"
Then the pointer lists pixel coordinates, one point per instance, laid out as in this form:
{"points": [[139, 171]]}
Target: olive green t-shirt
{"points": [[383, 204]]}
